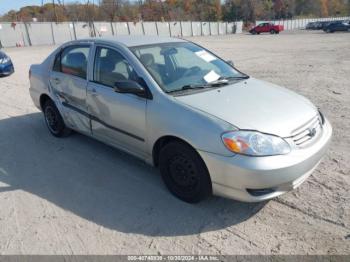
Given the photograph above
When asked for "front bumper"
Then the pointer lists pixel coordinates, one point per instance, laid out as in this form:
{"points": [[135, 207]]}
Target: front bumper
{"points": [[6, 69], [232, 176]]}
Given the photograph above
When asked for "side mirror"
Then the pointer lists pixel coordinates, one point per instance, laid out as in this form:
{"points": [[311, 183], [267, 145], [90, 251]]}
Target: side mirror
{"points": [[129, 87], [230, 62]]}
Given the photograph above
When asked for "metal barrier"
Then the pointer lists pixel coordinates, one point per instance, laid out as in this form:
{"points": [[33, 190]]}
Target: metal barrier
{"points": [[47, 33]]}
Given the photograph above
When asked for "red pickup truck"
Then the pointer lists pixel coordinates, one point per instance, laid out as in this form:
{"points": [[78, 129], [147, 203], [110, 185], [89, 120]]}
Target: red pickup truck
{"points": [[266, 28]]}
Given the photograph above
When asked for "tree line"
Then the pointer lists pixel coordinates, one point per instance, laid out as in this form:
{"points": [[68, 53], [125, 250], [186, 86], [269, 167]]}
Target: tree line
{"points": [[175, 10]]}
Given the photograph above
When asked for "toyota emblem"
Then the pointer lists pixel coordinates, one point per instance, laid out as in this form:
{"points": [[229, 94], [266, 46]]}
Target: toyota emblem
{"points": [[312, 132]]}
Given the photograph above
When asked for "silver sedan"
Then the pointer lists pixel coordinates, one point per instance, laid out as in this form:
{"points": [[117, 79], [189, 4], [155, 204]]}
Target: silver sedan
{"points": [[210, 128]]}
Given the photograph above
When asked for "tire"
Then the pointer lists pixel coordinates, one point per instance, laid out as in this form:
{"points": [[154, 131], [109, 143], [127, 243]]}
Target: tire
{"points": [[272, 32], [54, 121], [184, 172], [253, 32]]}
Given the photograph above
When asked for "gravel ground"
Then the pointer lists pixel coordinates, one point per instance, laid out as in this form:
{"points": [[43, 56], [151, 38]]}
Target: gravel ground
{"points": [[79, 196]]}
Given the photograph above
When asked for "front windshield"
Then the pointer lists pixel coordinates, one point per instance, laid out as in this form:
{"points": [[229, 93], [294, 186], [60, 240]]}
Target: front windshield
{"points": [[177, 65]]}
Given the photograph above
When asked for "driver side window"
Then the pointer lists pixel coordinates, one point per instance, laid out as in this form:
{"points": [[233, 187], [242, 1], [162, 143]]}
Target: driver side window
{"points": [[110, 66]]}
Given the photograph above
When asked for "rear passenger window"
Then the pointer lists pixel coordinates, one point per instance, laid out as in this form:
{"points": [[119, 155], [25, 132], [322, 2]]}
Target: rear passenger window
{"points": [[73, 61]]}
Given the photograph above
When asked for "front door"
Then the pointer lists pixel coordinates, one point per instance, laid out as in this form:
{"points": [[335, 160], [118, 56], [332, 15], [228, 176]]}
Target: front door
{"points": [[116, 118], [68, 81]]}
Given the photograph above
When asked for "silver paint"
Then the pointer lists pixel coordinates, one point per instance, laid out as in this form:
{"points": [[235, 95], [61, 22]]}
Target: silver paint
{"points": [[198, 119]]}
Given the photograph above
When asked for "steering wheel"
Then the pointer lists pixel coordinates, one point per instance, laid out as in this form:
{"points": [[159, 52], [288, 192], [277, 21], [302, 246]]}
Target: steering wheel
{"points": [[192, 71]]}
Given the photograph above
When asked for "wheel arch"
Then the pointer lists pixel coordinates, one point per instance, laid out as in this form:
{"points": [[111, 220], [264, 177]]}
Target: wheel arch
{"points": [[42, 100], [164, 140], [207, 185]]}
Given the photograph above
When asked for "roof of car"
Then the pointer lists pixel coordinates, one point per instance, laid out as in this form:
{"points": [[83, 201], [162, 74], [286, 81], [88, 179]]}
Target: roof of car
{"points": [[131, 41]]}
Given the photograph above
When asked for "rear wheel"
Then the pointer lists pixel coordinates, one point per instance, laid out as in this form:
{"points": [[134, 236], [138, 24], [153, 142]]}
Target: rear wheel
{"points": [[272, 31], [184, 172], [53, 120]]}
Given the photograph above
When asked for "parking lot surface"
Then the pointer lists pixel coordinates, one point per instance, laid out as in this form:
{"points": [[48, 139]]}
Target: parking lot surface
{"points": [[78, 196]]}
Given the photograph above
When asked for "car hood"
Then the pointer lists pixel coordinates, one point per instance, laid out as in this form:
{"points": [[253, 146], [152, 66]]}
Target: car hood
{"points": [[255, 105]]}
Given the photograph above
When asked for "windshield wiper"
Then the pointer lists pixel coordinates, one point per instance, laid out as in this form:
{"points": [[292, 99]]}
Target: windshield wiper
{"points": [[189, 87], [220, 82], [234, 77]]}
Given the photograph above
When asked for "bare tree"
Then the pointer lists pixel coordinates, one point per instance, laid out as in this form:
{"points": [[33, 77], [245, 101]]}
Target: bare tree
{"points": [[110, 8], [54, 10]]}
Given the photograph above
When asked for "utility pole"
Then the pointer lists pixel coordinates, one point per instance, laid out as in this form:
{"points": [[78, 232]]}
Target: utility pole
{"points": [[41, 11]]}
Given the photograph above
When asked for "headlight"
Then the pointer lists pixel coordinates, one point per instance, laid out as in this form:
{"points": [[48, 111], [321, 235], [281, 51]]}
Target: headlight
{"points": [[253, 143], [4, 60]]}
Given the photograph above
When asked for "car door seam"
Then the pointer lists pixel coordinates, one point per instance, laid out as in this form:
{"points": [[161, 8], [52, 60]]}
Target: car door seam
{"points": [[91, 117]]}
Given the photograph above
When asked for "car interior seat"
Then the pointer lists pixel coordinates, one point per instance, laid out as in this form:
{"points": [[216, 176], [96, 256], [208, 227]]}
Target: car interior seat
{"points": [[148, 61], [107, 73]]}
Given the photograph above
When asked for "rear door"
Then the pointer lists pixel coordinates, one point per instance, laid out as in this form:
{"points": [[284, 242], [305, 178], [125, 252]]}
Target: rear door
{"points": [[68, 81], [260, 28], [116, 118]]}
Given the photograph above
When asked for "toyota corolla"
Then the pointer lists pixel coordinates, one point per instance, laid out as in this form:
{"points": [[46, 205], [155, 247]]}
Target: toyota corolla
{"points": [[210, 128]]}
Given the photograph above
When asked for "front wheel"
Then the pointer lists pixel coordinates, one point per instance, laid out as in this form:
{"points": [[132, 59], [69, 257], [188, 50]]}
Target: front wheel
{"points": [[53, 120], [272, 32], [184, 172]]}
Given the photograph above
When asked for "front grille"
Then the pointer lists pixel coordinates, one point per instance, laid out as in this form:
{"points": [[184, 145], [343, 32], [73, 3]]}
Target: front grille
{"points": [[307, 132]]}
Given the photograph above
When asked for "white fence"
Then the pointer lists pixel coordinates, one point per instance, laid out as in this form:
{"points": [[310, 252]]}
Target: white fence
{"points": [[27, 34], [292, 24]]}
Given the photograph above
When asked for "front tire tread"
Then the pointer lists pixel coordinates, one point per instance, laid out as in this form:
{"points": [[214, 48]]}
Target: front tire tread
{"points": [[204, 187], [61, 130]]}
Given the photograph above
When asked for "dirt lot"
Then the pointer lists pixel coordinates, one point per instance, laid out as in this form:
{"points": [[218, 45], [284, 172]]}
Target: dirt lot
{"points": [[78, 196]]}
